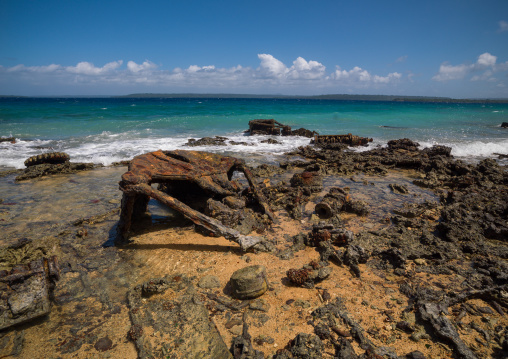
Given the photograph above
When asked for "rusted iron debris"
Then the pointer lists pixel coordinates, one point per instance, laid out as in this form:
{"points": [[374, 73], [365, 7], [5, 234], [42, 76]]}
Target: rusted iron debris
{"points": [[178, 172]]}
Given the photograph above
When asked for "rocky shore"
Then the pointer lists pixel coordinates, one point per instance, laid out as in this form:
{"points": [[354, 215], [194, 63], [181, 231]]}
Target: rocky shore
{"points": [[395, 252]]}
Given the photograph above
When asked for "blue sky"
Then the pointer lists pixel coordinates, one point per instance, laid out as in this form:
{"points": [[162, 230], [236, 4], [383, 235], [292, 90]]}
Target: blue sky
{"points": [[452, 48]]}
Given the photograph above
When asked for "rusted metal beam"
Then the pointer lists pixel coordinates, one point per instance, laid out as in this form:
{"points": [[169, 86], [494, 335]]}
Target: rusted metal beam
{"points": [[198, 218]]}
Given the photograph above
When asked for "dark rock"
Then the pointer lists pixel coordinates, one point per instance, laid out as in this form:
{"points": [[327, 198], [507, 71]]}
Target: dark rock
{"points": [[398, 188], [438, 150], [241, 143], [404, 144], [322, 331], [361, 208], [8, 139], [103, 344], [415, 355], [307, 346], [45, 169], [265, 170], [271, 141], [262, 339], [207, 141], [431, 313], [344, 350], [309, 274], [349, 139], [405, 327], [304, 133], [268, 127], [504, 125], [311, 180]]}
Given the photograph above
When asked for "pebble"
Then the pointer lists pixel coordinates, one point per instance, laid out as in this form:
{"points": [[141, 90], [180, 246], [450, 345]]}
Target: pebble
{"points": [[420, 261], [103, 344], [233, 322], [246, 258], [302, 303], [259, 304], [208, 282], [236, 330]]}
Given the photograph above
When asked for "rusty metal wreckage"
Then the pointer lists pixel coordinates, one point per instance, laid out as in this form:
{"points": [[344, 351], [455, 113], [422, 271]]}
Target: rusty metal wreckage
{"points": [[180, 170]]}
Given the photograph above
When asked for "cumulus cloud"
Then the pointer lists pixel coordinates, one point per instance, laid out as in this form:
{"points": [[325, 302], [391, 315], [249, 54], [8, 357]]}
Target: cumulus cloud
{"points": [[310, 70], [486, 63], [87, 68], [359, 75], [486, 59], [271, 67], [145, 66], [271, 75]]}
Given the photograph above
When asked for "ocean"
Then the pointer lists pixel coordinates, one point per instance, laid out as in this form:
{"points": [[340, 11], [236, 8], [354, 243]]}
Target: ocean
{"points": [[107, 130]]}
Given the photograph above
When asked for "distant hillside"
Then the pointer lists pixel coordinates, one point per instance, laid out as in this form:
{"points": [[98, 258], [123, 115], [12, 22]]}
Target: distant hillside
{"points": [[342, 97], [319, 97]]}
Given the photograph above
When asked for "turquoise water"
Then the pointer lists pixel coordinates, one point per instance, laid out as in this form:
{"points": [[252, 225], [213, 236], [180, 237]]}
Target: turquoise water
{"points": [[105, 130]]}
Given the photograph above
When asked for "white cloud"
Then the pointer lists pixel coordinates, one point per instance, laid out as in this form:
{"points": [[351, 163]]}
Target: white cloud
{"points": [[310, 70], [272, 74], [503, 26], [486, 62], [359, 76], [87, 68], [40, 69], [271, 67], [487, 59], [387, 79], [145, 66], [355, 74], [450, 72]]}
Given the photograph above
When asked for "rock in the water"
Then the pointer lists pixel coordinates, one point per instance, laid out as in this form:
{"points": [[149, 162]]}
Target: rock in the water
{"points": [[249, 282], [398, 188]]}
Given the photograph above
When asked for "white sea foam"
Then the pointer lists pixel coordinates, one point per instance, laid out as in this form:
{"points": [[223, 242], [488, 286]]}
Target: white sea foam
{"points": [[470, 151], [106, 148]]}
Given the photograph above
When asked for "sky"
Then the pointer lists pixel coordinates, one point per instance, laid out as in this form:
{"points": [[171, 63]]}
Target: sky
{"points": [[448, 48]]}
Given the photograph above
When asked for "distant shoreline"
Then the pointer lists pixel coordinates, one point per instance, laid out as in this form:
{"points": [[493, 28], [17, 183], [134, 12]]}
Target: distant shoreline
{"points": [[342, 97]]}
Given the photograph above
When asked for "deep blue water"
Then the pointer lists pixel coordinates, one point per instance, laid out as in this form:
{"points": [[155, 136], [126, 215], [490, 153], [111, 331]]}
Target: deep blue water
{"points": [[104, 130]]}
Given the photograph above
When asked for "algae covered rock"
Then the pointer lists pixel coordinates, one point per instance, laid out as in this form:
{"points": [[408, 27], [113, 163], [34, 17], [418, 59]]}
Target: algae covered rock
{"points": [[173, 323], [249, 282]]}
